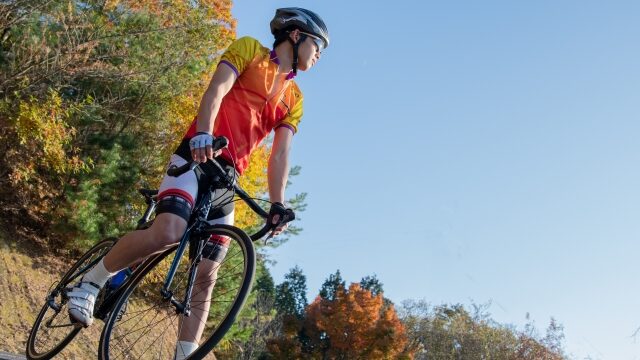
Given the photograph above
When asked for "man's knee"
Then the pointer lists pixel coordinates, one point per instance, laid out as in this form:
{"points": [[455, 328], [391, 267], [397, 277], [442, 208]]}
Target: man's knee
{"points": [[168, 229]]}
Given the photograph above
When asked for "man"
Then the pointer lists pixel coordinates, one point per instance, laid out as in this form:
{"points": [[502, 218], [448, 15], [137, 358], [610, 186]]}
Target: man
{"points": [[252, 93]]}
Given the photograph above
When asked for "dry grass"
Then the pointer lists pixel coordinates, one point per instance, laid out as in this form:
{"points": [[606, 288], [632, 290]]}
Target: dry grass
{"points": [[25, 276]]}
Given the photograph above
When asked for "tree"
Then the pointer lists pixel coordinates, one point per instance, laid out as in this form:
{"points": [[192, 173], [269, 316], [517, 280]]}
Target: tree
{"points": [[290, 304], [350, 326], [532, 346], [372, 284], [450, 332], [94, 95], [256, 323], [291, 294], [331, 286]]}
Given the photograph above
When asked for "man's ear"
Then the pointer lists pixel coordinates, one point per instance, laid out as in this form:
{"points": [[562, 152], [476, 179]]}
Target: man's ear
{"points": [[295, 35]]}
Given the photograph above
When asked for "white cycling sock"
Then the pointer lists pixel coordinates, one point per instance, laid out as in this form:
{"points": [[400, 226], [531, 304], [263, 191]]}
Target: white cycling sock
{"points": [[184, 349], [98, 275]]}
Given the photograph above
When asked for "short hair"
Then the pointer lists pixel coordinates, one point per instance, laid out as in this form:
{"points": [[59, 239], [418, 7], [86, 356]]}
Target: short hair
{"points": [[283, 35]]}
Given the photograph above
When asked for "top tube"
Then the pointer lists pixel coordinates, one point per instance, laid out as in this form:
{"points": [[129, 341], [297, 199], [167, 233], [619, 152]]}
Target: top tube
{"points": [[192, 165]]}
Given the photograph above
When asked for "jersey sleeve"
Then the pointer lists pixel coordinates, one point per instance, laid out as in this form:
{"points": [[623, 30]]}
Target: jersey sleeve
{"points": [[240, 54], [292, 119], [295, 109]]}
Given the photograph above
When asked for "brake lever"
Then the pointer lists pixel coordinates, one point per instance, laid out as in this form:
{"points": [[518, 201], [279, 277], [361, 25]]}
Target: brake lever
{"points": [[289, 216], [272, 233]]}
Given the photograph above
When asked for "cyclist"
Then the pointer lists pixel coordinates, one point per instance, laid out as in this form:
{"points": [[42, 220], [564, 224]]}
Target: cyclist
{"points": [[251, 93]]}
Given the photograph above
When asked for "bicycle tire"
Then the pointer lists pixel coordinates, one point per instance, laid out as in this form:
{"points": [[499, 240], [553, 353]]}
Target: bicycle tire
{"points": [[33, 352], [139, 335]]}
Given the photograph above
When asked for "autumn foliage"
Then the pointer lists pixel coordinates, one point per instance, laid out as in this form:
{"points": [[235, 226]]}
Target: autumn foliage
{"points": [[452, 332], [354, 325], [94, 96]]}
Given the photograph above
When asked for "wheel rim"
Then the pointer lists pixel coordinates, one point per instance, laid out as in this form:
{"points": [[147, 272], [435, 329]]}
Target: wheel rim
{"points": [[149, 327], [53, 329]]}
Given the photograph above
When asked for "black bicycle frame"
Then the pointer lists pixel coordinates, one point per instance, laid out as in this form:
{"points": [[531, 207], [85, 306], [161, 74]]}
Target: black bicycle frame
{"points": [[202, 210], [200, 214]]}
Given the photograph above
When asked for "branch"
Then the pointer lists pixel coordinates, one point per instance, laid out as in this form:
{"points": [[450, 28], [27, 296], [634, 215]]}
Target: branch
{"points": [[26, 14]]}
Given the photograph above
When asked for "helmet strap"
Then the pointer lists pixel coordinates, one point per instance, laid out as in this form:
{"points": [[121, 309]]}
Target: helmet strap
{"points": [[295, 45]]}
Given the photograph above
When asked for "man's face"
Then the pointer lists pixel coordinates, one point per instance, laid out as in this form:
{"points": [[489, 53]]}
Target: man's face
{"points": [[309, 52]]}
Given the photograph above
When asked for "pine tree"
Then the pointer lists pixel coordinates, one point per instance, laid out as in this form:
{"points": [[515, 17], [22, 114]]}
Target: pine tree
{"points": [[372, 284], [331, 286], [291, 294]]}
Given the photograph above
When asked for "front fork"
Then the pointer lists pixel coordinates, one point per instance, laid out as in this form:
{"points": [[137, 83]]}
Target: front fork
{"points": [[183, 307]]}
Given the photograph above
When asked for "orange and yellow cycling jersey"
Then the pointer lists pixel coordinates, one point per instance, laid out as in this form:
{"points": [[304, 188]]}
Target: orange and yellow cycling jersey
{"points": [[260, 101]]}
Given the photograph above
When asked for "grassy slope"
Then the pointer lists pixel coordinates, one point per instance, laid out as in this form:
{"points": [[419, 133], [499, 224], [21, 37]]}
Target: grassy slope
{"points": [[25, 277]]}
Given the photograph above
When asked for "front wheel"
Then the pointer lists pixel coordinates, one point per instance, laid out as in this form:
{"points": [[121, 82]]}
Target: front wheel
{"points": [[53, 329], [146, 325]]}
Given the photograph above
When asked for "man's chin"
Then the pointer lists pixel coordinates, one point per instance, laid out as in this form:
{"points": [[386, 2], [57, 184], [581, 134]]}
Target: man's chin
{"points": [[304, 67]]}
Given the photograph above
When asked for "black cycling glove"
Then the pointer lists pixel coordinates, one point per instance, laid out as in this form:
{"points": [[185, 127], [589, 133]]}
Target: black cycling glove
{"points": [[286, 215]]}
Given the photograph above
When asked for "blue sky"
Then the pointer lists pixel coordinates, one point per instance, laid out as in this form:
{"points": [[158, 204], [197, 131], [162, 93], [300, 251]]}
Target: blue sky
{"points": [[476, 151]]}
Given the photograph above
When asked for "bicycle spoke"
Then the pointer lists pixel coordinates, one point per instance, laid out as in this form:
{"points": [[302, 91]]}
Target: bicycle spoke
{"points": [[134, 331], [159, 306], [162, 344], [54, 329], [150, 327], [227, 292]]}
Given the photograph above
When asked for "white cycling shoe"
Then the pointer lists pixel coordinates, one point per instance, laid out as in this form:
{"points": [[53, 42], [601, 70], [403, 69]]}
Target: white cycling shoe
{"points": [[82, 298]]}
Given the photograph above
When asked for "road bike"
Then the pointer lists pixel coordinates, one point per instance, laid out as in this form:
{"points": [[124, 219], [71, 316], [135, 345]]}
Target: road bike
{"points": [[141, 307]]}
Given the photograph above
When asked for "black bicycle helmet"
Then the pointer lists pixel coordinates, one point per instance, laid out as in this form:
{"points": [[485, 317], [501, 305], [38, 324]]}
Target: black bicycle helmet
{"points": [[289, 19], [303, 19]]}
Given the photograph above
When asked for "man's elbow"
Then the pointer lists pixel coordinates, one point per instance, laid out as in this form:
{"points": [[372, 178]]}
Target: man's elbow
{"points": [[214, 96], [281, 156]]}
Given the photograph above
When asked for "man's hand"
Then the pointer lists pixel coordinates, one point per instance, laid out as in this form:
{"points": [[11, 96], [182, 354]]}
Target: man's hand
{"points": [[201, 147], [276, 213]]}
